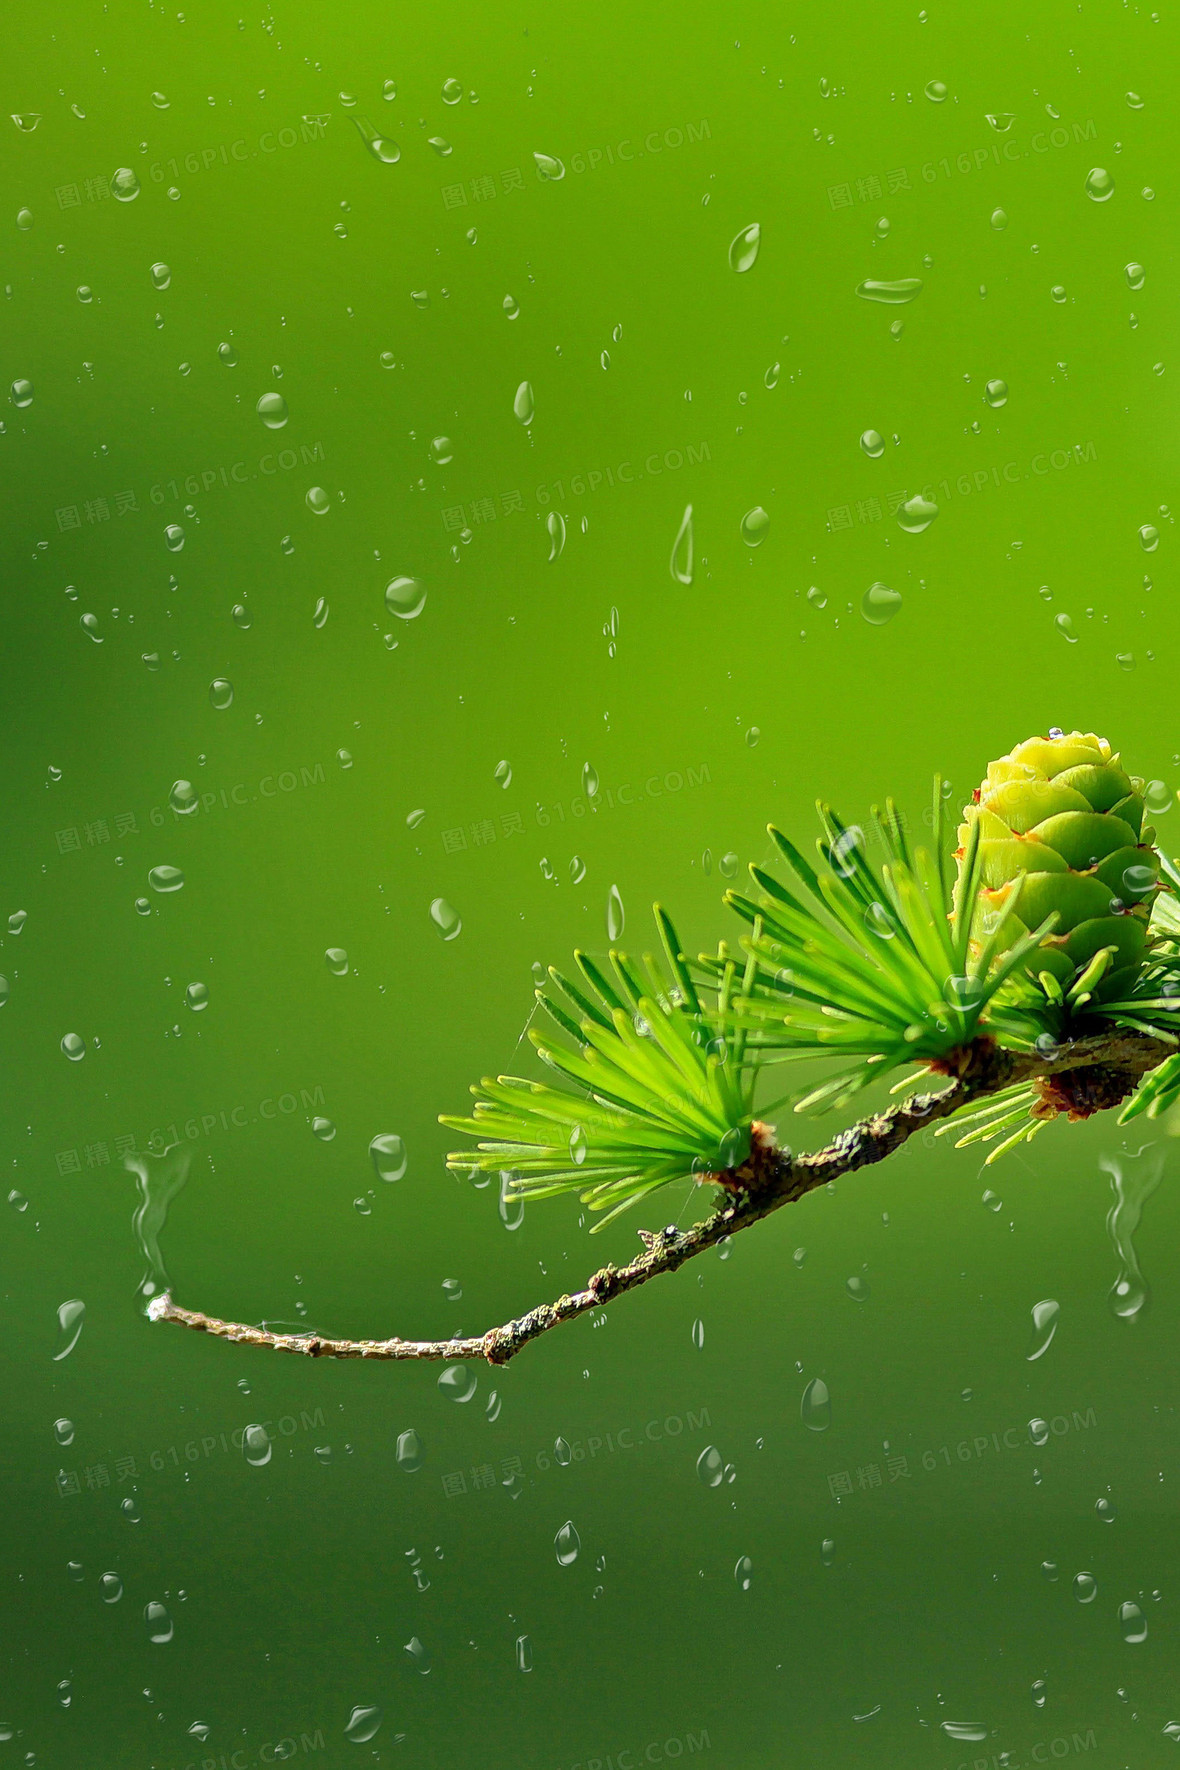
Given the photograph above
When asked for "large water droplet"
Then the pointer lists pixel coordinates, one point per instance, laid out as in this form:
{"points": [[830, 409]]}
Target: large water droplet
{"points": [[458, 1383], [1133, 1178], [549, 169], [74, 1047], [387, 1153], [256, 1445], [555, 524], [743, 248], [410, 1452], [743, 1572], [184, 798], [936, 91], [362, 1724], [1001, 121], [221, 694], [272, 409], [21, 393], [615, 914], [815, 1410], [711, 1466], [1136, 275], [1085, 1588], [965, 1730], [523, 404], [1133, 1623], [405, 597], [510, 1205], [894, 294], [1064, 626], [452, 91], [124, 185], [1149, 537], [318, 501], [567, 1545], [228, 355], [524, 1654], [63, 1431], [161, 275], [159, 1623], [110, 1588], [446, 919], [754, 526], [166, 879], [916, 515], [1044, 1318], [698, 1334], [323, 1128], [680, 564], [1099, 184], [873, 444], [879, 604], [196, 997], [999, 220]]}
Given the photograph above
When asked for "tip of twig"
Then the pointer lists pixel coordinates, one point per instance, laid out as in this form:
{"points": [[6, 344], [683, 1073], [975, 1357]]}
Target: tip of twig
{"points": [[158, 1307]]}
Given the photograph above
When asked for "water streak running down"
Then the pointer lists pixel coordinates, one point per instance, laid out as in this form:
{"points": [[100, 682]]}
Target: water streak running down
{"points": [[1133, 1179], [160, 1179]]}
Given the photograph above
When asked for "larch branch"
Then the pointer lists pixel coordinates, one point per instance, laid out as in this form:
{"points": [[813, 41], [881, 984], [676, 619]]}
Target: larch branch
{"points": [[769, 1178]]}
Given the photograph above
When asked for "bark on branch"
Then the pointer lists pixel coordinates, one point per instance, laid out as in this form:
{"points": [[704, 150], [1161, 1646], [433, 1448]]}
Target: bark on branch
{"points": [[769, 1178]]}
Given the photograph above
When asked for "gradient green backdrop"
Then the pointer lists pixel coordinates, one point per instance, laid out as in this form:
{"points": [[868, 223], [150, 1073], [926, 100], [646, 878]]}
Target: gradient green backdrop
{"points": [[391, 303]]}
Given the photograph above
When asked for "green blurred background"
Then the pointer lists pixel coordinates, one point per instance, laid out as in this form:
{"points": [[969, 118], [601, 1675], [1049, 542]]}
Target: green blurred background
{"points": [[194, 217]]}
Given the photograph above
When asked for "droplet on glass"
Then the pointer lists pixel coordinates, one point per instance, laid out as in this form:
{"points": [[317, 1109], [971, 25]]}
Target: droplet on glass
{"points": [[1099, 184], [1133, 1624], [323, 1128], [549, 169], [362, 1724], [446, 919], [196, 997], [124, 185], [256, 1445], [110, 1588], [743, 1572], [754, 526], [893, 294], [744, 248], [1085, 1588], [272, 409], [458, 1383], [524, 1654], [680, 564], [879, 604], [916, 515], [1044, 1319], [184, 798], [523, 403], [615, 914], [21, 393], [999, 220], [873, 444], [567, 1545], [405, 597], [161, 275], [410, 1453], [936, 91], [74, 1047], [1135, 274], [815, 1409], [318, 501], [63, 1431], [555, 526], [1149, 537], [996, 393], [166, 879], [159, 1623], [711, 1466]]}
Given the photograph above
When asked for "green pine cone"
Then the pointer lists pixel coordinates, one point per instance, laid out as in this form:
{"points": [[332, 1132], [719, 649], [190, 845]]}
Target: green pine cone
{"points": [[1060, 815]]}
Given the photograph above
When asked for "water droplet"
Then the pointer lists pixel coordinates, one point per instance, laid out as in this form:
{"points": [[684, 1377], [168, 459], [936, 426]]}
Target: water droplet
{"points": [[1085, 1588], [827, 1551], [1106, 1511], [228, 355], [419, 1654], [873, 444], [1149, 538], [1039, 1691], [1133, 1623], [555, 525], [815, 1409], [1099, 184], [387, 1153], [17, 921], [272, 409], [458, 1383], [405, 597], [446, 920], [916, 515], [1044, 1317], [879, 604], [743, 1572], [362, 1724], [567, 1544], [857, 1288], [165, 879], [184, 798], [589, 780], [1038, 1431], [615, 914], [893, 294], [523, 404], [1133, 1179], [63, 1431], [452, 92], [711, 1466], [562, 1452], [1064, 626], [242, 617], [965, 1730], [74, 1047], [744, 247], [21, 393], [996, 393], [524, 1654], [85, 293], [110, 1588], [770, 379], [509, 1205], [1001, 121], [89, 625], [681, 561], [161, 275], [999, 220], [323, 1128], [130, 1510], [410, 1452], [380, 146], [159, 1623], [442, 450], [754, 526], [24, 219], [196, 997], [173, 537], [318, 501], [124, 185], [452, 1290], [549, 169], [502, 774], [936, 91], [256, 1446], [1135, 275]]}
